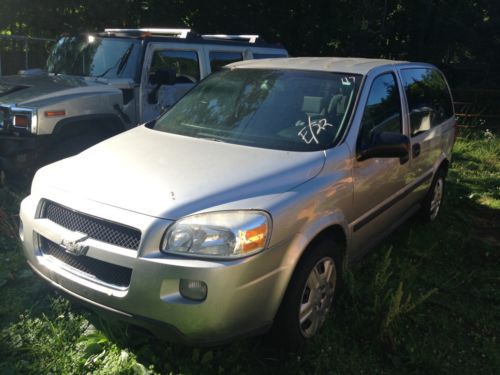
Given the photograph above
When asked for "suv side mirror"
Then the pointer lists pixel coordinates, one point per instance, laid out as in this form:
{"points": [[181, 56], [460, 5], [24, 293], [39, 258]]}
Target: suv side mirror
{"points": [[386, 145], [162, 77]]}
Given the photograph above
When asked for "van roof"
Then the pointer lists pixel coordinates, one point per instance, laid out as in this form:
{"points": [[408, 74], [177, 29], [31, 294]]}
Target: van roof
{"points": [[353, 65]]}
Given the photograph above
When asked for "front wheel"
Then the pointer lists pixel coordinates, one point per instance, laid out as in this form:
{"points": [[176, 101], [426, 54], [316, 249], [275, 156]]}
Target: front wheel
{"points": [[309, 296], [67, 147], [317, 296]]}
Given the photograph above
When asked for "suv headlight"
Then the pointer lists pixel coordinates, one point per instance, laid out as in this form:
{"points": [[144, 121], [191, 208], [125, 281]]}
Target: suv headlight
{"points": [[24, 118], [224, 234]]}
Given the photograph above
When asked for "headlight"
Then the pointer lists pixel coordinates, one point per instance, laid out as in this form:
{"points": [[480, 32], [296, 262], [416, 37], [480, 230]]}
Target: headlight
{"points": [[227, 234], [24, 118]]}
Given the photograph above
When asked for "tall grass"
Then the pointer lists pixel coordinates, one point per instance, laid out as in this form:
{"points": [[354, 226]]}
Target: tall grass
{"points": [[424, 301]]}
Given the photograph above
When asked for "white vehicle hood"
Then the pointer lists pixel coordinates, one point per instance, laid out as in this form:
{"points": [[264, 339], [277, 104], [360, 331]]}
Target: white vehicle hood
{"points": [[171, 176]]}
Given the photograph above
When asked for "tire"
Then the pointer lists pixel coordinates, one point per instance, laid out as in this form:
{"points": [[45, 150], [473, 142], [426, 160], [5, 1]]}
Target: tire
{"points": [[71, 146], [14, 180], [431, 205], [309, 296]]}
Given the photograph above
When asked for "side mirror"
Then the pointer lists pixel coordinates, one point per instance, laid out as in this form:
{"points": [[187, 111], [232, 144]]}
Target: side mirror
{"points": [[386, 145], [162, 77]]}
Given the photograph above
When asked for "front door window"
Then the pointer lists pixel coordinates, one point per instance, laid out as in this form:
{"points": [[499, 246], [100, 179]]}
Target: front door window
{"points": [[383, 110], [184, 65]]}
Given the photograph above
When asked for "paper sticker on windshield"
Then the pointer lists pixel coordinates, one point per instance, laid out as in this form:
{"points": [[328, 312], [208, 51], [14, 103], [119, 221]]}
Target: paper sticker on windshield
{"points": [[347, 81], [314, 128]]}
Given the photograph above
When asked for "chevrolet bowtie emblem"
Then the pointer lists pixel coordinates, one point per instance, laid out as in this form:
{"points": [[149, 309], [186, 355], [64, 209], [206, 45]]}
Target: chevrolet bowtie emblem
{"points": [[73, 245]]}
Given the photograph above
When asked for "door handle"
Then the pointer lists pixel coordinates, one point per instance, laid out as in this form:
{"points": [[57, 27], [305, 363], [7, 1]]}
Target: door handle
{"points": [[415, 150]]}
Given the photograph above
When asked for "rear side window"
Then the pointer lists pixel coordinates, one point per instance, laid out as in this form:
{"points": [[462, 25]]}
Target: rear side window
{"points": [[219, 59], [428, 97], [383, 110], [185, 64]]}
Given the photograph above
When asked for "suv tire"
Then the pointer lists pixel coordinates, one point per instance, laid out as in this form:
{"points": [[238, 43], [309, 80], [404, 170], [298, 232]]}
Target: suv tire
{"points": [[73, 145]]}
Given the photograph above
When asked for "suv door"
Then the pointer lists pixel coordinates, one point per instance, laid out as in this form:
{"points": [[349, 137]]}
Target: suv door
{"points": [[378, 182], [430, 108], [183, 60]]}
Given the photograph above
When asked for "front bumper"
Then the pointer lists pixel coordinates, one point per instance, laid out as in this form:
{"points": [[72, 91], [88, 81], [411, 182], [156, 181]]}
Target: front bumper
{"points": [[243, 295]]}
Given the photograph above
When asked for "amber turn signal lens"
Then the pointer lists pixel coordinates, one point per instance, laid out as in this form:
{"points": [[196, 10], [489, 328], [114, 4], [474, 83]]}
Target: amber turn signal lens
{"points": [[57, 113], [21, 121], [253, 238]]}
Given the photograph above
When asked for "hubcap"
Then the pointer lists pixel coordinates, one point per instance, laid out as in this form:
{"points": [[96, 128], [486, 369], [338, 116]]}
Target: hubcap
{"points": [[317, 296], [437, 196]]}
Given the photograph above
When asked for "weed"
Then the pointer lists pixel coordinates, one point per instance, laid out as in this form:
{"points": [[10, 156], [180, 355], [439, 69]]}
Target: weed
{"points": [[61, 341], [385, 300]]}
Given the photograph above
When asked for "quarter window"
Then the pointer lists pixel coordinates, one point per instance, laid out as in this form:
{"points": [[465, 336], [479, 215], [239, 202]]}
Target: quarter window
{"points": [[184, 63], [383, 110], [428, 97], [219, 59]]}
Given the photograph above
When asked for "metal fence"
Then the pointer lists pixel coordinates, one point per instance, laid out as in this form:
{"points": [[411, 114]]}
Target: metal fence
{"points": [[18, 52]]}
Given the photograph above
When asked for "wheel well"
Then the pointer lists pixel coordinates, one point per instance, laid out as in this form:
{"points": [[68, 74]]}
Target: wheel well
{"points": [[445, 165], [101, 126], [334, 233]]}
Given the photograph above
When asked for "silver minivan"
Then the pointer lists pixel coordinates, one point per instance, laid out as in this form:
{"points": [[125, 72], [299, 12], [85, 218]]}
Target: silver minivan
{"points": [[240, 207]]}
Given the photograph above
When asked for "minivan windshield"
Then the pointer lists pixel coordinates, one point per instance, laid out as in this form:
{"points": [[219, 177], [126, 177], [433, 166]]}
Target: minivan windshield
{"points": [[94, 56], [291, 110]]}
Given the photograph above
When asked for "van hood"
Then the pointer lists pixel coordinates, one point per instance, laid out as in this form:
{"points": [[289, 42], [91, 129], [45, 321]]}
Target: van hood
{"points": [[33, 90], [170, 176]]}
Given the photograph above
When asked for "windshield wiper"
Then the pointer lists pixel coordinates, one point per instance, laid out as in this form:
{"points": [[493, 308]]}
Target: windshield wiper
{"points": [[120, 63], [124, 59]]}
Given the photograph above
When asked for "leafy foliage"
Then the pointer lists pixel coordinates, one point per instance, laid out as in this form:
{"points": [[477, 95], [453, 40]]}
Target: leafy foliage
{"points": [[62, 342], [439, 31]]}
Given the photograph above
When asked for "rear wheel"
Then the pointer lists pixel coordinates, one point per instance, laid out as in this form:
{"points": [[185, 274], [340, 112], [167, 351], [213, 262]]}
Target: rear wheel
{"points": [[432, 202], [309, 296]]}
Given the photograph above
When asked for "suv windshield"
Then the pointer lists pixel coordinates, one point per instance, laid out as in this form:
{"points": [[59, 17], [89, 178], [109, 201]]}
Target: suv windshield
{"points": [[280, 109], [94, 56]]}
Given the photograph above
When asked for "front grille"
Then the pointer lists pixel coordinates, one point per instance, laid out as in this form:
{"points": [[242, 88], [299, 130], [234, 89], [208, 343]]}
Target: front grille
{"points": [[92, 268], [98, 229]]}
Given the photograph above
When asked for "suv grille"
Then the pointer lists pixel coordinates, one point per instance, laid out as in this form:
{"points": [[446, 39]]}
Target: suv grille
{"points": [[98, 229], [92, 268]]}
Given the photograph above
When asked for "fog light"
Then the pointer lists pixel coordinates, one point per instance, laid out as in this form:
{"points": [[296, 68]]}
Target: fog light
{"points": [[193, 289], [21, 230]]}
